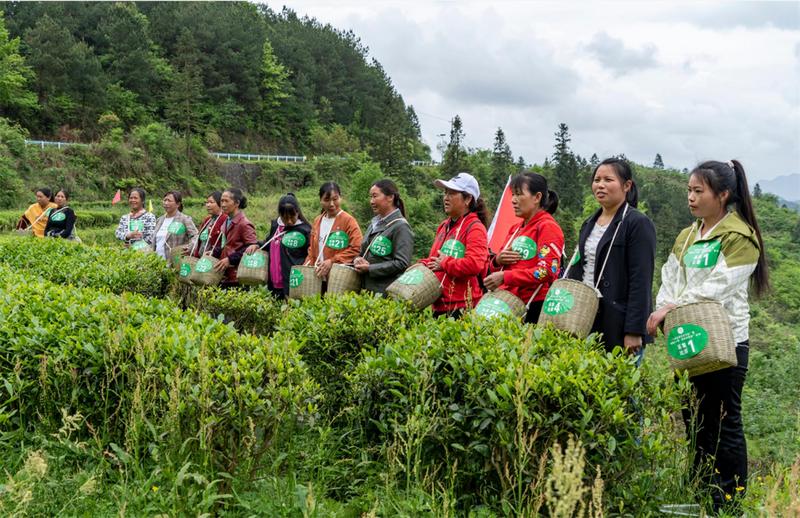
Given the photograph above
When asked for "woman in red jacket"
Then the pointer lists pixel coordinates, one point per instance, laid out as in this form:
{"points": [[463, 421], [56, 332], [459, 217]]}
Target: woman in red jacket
{"points": [[211, 230], [461, 248], [530, 258], [239, 233]]}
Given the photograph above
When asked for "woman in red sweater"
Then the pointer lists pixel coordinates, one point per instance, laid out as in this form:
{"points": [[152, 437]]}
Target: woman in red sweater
{"points": [[461, 249], [530, 258]]}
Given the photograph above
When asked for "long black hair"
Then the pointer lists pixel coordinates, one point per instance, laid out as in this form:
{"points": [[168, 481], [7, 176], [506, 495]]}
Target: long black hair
{"points": [[625, 174], [290, 206], [478, 206], [238, 197], [721, 177], [536, 183], [47, 192], [389, 188]]}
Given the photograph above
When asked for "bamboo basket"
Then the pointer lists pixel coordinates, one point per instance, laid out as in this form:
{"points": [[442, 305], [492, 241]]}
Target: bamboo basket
{"points": [[208, 277], [186, 271], [500, 302], [570, 306], [175, 256], [249, 274], [342, 279], [687, 327], [146, 249], [309, 284], [23, 232], [422, 293]]}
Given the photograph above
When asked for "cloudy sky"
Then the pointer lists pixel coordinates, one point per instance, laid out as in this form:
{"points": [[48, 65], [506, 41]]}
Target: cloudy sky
{"points": [[688, 80]]}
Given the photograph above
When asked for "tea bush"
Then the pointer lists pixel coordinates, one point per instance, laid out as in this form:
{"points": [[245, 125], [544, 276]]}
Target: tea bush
{"points": [[83, 219], [64, 262], [146, 377], [255, 311], [494, 394]]}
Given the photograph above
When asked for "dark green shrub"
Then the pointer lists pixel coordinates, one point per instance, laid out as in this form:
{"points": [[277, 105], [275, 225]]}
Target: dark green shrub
{"points": [[256, 311], [63, 262]]}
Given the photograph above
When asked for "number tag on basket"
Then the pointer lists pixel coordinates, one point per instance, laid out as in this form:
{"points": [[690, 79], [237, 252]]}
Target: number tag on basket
{"points": [[686, 341], [702, 255], [135, 225], [338, 240], [455, 249], [254, 261], [576, 259], [204, 235], [524, 246], [224, 241], [203, 266], [139, 245], [381, 246], [411, 277], [176, 227], [185, 270], [293, 239], [490, 308], [295, 278], [558, 302], [58, 217]]}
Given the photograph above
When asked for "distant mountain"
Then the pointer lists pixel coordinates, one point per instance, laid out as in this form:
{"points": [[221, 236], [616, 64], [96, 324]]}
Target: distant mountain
{"points": [[794, 205], [787, 186]]}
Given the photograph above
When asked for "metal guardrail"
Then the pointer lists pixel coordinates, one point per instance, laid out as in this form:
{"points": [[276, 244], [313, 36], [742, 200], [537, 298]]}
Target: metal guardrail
{"points": [[234, 156]]}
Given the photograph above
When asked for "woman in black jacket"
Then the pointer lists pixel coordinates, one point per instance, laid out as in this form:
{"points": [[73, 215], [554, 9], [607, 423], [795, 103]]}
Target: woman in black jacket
{"points": [[61, 222], [288, 244], [626, 281]]}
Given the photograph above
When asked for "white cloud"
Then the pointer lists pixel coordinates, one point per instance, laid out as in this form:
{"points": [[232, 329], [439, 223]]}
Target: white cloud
{"points": [[687, 80]]}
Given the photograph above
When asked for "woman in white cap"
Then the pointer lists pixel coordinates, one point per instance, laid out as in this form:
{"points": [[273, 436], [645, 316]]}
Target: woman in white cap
{"points": [[461, 250]]}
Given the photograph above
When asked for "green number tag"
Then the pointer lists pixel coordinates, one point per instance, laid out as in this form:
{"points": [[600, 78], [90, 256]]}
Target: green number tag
{"points": [[338, 240], [454, 249], [686, 341], [203, 265], [255, 260], [577, 258], [58, 217], [524, 246], [139, 245], [48, 211], [491, 308], [411, 277], [224, 240], [204, 235], [558, 302], [381, 246], [293, 239], [702, 255], [135, 225], [185, 270], [176, 227], [295, 278]]}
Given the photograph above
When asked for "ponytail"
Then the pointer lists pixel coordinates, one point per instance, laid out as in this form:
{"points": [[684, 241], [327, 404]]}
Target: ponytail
{"points": [[479, 208], [552, 202], [632, 197], [389, 188], [730, 176]]}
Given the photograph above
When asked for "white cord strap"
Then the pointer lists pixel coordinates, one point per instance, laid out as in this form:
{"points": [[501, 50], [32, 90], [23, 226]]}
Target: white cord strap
{"points": [[614, 237]]}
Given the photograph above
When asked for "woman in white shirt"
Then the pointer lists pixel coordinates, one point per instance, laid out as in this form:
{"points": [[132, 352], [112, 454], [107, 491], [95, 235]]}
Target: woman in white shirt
{"points": [[174, 228]]}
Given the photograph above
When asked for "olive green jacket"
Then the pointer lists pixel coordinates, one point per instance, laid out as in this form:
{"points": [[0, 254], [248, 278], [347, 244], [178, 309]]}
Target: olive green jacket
{"points": [[388, 246]]}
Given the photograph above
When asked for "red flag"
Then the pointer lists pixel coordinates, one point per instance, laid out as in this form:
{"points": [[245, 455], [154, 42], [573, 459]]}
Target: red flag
{"points": [[504, 219], [116, 198]]}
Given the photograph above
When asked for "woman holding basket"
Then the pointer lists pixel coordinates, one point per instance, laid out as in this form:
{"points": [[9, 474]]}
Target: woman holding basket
{"points": [[174, 228], [388, 245], [719, 258], [461, 249], [616, 256], [239, 233], [530, 260], [35, 218], [288, 241], [212, 228], [335, 235]]}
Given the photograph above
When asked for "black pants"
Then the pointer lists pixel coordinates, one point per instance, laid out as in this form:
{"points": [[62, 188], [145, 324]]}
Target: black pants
{"points": [[455, 313], [533, 312], [720, 448]]}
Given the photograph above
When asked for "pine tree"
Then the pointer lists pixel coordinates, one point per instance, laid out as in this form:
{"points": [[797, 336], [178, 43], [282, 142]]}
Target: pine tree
{"points": [[186, 93], [566, 177], [521, 165], [454, 155], [757, 192], [502, 160], [658, 163], [594, 161], [274, 86]]}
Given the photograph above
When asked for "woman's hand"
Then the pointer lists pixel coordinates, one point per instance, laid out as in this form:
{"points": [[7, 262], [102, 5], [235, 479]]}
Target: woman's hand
{"points": [[361, 265], [436, 263], [251, 249], [134, 235], [222, 265], [656, 319], [209, 252], [633, 343], [324, 268], [494, 280], [185, 252], [507, 256]]}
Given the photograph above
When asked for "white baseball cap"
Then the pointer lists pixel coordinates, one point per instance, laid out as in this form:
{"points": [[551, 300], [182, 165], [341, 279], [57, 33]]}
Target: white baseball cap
{"points": [[462, 182]]}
